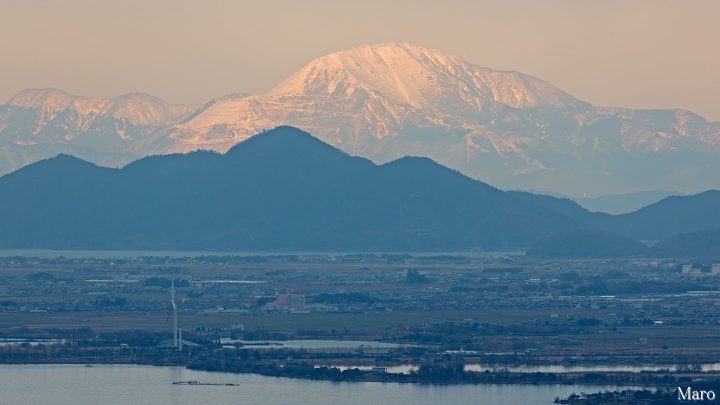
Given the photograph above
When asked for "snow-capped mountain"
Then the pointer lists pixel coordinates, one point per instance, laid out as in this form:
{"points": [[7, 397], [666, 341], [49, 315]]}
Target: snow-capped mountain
{"points": [[359, 96], [38, 123], [390, 100]]}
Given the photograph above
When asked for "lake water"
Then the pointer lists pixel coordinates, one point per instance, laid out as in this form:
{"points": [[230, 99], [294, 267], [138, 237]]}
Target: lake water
{"points": [[140, 385], [308, 344], [31, 342]]}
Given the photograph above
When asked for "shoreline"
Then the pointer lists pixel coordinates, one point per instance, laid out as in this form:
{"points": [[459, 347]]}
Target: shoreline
{"points": [[440, 375]]}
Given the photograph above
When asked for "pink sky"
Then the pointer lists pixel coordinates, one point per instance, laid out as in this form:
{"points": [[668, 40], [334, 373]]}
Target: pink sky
{"points": [[641, 54]]}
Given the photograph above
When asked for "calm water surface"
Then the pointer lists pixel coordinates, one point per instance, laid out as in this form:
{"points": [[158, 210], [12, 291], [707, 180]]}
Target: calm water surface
{"points": [[308, 344], [139, 385]]}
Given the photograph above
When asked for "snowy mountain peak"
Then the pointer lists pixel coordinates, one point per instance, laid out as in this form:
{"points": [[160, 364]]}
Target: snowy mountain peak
{"points": [[140, 108], [357, 96], [53, 100], [386, 101], [135, 108], [417, 77]]}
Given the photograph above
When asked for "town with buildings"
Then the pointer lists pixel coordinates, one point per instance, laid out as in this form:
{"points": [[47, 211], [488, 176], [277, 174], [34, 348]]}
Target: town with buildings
{"points": [[656, 310]]}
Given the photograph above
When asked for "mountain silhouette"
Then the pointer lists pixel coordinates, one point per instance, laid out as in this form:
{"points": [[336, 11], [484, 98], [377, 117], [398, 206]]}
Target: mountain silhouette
{"points": [[286, 190], [385, 101], [700, 245], [282, 189]]}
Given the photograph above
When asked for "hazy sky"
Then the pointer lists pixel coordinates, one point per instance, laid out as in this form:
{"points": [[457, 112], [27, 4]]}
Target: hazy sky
{"points": [[645, 54]]}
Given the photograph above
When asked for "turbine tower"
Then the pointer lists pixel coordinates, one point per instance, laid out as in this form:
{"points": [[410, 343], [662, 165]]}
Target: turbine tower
{"points": [[176, 341]]}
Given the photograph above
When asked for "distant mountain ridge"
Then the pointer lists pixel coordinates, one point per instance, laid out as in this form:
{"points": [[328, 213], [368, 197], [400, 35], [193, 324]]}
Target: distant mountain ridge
{"points": [[38, 123], [656, 222], [280, 190], [390, 100], [134, 108], [668, 217], [286, 190], [697, 245], [624, 202]]}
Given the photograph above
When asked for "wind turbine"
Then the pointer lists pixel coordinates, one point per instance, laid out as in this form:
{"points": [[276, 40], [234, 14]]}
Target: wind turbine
{"points": [[176, 341]]}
